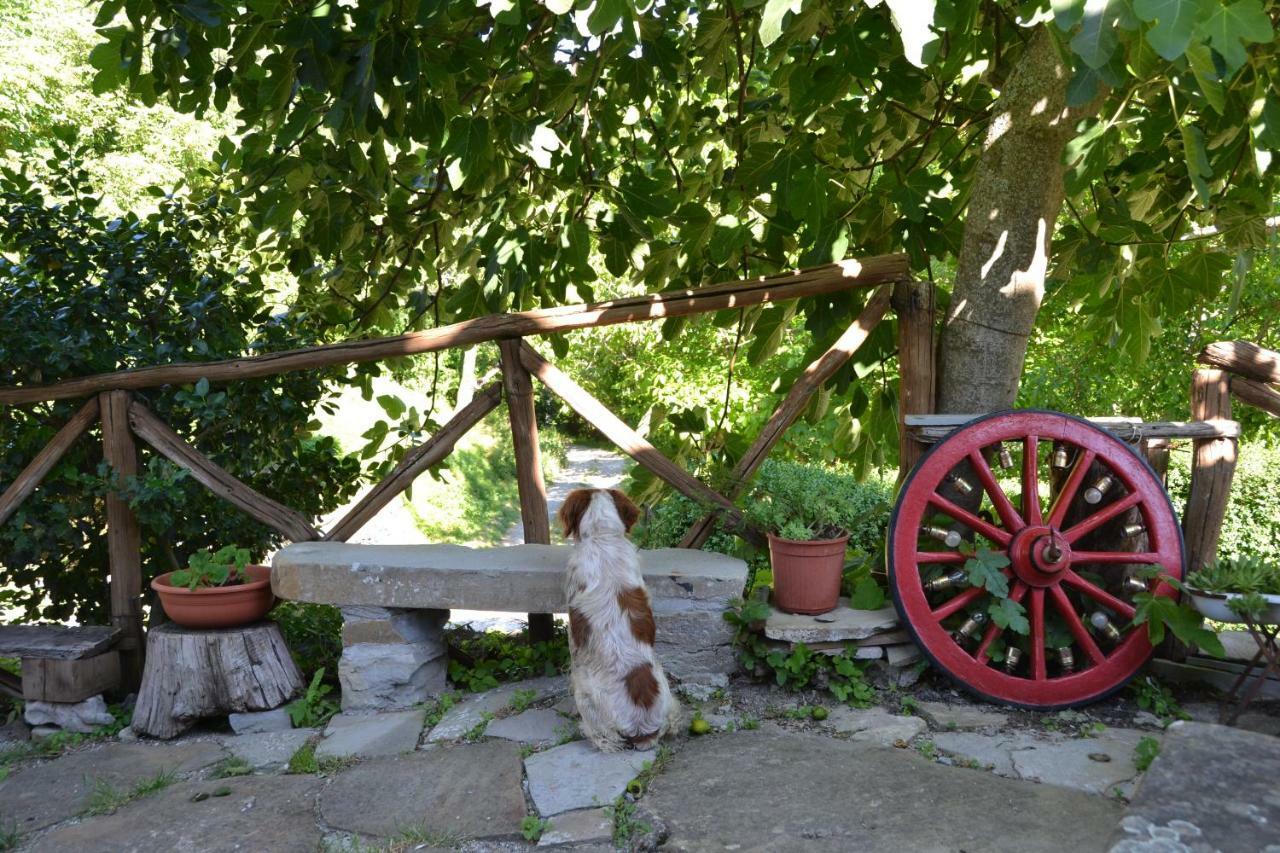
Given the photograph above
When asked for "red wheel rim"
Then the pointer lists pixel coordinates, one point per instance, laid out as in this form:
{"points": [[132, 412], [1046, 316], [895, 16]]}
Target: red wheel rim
{"points": [[1059, 582]]}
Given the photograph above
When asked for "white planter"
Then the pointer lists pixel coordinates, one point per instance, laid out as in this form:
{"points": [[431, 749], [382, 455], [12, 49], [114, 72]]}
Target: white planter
{"points": [[1213, 605]]}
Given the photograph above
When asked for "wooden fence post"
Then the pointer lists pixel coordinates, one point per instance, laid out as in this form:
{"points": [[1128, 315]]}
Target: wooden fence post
{"points": [[1212, 467], [533, 491], [914, 303], [124, 537]]}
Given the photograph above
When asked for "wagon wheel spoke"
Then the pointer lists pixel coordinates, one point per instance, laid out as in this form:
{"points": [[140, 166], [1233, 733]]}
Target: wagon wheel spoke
{"points": [[1114, 557], [1070, 487], [1031, 480], [1101, 517], [1016, 594], [924, 557], [1098, 594], [1035, 616], [1076, 626], [958, 602], [1004, 507], [986, 528]]}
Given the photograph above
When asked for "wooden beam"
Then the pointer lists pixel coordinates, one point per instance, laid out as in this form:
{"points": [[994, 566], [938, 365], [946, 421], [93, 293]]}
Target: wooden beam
{"points": [[629, 441], [416, 461], [1212, 467], [1249, 360], [49, 680], [534, 518], [1257, 394], [913, 301], [25, 483], [931, 428], [124, 536], [817, 373], [60, 642], [831, 278], [272, 513]]}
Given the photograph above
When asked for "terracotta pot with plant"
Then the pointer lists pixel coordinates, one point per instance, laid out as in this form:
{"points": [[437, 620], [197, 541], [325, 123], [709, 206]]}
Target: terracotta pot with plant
{"points": [[216, 590], [808, 527]]}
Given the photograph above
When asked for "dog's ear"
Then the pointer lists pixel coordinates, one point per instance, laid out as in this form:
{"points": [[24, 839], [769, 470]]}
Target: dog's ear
{"points": [[572, 510], [627, 510]]}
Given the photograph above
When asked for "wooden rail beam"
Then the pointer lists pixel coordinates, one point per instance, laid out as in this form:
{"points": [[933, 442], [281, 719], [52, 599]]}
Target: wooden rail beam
{"points": [[830, 278], [417, 460], [932, 428], [1254, 393], [32, 475], [792, 405], [631, 442], [275, 515], [1241, 357], [124, 536]]}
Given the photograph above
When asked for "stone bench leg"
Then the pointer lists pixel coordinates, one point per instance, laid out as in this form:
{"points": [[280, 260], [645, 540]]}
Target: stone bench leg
{"points": [[391, 658]]}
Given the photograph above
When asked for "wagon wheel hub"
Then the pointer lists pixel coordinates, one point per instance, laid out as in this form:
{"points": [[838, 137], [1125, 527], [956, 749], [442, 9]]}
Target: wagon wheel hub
{"points": [[1039, 555]]}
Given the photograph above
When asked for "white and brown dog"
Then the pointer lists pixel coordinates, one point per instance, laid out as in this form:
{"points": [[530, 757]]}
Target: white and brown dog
{"points": [[618, 684]]}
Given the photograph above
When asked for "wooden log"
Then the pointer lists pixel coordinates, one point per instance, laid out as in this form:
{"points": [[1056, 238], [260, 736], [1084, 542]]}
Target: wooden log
{"points": [[422, 457], [931, 428], [914, 303], [195, 674], [1156, 450], [831, 278], [47, 680], [1241, 357], [534, 518], [631, 442], [216, 479], [817, 373], [25, 483], [124, 536], [1257, 394], [59, 642], [1212, 467]]}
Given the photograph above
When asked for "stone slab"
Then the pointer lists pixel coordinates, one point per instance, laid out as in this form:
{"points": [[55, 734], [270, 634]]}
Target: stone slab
{"points": [[830, 795], [579, 776], [902, 654], [843, 623], [585, 826], [1211, 788], [947, 716], [255, 722], [261, 813], [469, 791], [874, 725], [1079, 762], [471, 711], [540, 727], [82, 717], [388, 677], [518, 578], [991, 751], [41, 795], [371, 735], [268, 750]]}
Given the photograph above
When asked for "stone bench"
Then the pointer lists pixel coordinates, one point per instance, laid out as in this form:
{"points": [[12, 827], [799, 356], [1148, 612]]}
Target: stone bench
{"points": [[395, 600]]}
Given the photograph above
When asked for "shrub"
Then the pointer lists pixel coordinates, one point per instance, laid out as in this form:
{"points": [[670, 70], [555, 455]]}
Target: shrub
{"points": [[806, 502], [1252, 523]]}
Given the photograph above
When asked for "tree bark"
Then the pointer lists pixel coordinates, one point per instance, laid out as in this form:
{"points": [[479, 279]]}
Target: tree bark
{"points": [[1015, 198]]}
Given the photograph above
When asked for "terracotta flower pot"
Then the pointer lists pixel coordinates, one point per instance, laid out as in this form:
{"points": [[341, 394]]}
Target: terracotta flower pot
{"points": [[806, 575], [219, 606]]}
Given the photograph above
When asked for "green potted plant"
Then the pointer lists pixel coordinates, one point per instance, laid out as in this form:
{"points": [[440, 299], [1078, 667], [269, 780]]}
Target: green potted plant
{"points": [[1236, 588], [216, 590], [808, 514]]}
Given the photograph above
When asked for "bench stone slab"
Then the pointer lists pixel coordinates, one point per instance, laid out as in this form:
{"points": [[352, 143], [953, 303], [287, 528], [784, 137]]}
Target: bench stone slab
{"points": [[517, 578]]}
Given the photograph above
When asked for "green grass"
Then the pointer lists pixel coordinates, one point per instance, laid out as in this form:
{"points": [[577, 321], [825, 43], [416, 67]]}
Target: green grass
{"points": [[231, 767], [106, 798], [305, 761]]}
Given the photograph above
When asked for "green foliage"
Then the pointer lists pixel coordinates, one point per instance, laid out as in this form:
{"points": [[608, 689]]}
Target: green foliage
{"points": [[225, 567], [521, 699], [1158, 612], [626, 825], [439, 707], [1155, 697], [106, 798], [313, 633], [532, 827], [983, 567], [231, 767], [1243, 574], [312, 709], [1145, 753], [79, 295], [485, 659], [867, 594], [805, 502]]}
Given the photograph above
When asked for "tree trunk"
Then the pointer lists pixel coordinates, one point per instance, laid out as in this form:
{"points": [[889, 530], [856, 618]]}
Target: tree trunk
{"points": [[1016, 196]]}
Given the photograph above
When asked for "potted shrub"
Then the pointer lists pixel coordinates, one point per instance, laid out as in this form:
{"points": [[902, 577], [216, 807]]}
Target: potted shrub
{"points": [[1237, 588], [216, 590], [808, 514]]}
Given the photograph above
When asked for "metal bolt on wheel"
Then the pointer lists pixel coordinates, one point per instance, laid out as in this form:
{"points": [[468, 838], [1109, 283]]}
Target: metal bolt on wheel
{"points": [[1078, 490]]}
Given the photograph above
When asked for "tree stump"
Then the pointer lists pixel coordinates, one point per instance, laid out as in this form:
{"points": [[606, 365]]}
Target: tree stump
{"points": [[192, 674]]}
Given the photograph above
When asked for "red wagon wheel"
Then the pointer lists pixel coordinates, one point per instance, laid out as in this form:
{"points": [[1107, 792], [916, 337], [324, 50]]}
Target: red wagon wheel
{"points": [[1077, 597]]}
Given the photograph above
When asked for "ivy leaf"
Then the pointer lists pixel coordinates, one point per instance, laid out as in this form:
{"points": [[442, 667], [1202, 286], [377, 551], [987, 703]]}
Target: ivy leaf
{"points": [[1009, 614], [1175, 21], [867, 595], [1229, 26], [984, 571]]}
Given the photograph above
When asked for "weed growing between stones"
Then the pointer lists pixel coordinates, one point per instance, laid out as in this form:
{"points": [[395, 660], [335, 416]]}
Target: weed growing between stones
{"points": [[1145, 753], [106, 798], [418, 838], [1155, 697], [522, 699], [478, 730], [639, 786], [59, 742], [313, 708], [437, 709], [481, 660], [533, 826], [625, 824], [305, 761], [9, 836], [231, 767]]}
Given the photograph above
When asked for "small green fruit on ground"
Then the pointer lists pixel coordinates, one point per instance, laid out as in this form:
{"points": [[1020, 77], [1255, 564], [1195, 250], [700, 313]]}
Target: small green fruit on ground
{"points": [[818, 712], [699, 726]]}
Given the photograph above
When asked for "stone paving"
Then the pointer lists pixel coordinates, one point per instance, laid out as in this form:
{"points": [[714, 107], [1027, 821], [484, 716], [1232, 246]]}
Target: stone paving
{"points": [[498, 769]]}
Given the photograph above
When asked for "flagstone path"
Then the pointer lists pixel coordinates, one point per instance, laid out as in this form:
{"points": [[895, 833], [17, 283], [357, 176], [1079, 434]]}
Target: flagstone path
{"points": [[494, 767]]}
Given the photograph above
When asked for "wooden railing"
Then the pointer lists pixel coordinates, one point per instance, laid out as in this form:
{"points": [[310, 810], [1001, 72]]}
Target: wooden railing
{"points": [[125, 418]]}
